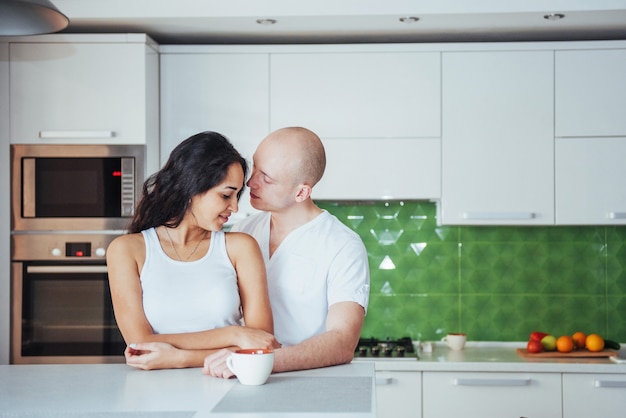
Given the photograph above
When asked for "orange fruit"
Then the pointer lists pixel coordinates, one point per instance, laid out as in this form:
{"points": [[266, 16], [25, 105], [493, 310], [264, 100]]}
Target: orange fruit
{"points": [[564, 344], [594, 343], [580, 338]]}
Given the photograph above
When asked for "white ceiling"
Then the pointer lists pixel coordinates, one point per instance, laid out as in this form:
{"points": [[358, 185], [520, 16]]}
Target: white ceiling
{"points": [[348, 21]]}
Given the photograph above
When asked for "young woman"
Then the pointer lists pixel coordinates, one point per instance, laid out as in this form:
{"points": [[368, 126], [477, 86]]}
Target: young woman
{"points": [[181, 287]]}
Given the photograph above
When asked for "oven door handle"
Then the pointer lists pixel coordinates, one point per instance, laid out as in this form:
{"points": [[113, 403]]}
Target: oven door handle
{"points": [[66, 269]]}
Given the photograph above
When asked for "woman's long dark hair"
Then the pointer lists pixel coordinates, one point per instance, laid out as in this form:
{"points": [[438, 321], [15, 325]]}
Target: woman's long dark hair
{"points": [[196, 165]]}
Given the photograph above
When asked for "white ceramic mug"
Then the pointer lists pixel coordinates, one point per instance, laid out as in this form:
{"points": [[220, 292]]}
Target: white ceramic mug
{"points": [[455, 341], [252, 366]]}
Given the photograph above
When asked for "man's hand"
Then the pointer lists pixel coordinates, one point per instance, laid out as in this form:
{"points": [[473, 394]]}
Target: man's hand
{"points": [[215, 364]]}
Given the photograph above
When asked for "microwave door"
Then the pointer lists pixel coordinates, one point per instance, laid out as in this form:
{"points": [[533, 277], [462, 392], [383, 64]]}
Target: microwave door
{"points": [[77, 187], [28, 188]]}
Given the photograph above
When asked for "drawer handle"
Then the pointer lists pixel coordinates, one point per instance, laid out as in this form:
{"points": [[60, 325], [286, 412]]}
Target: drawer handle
{"points": [[66, 269], [609, 384], [499, 215], [382, 381], [617, 215], [491, 382], [76, 134]]}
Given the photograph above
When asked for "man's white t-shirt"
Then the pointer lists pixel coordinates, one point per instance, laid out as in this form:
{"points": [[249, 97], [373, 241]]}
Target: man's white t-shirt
{"points": [[318, 264]]}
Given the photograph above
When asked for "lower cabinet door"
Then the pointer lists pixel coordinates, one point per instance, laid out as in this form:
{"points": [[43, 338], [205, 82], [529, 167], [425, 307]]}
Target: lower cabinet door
{"points": [[594, 395], [398, 394], [486, 395]]}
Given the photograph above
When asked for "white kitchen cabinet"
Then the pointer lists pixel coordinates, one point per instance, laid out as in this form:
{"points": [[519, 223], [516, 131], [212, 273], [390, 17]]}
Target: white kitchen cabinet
{"points": [[590, 93], [381, 168], [590, 173], [357, 94], [85, 89], [223, 92], [497, 138], [398, 394], [378, 114], [593, 395], [497, 395]]}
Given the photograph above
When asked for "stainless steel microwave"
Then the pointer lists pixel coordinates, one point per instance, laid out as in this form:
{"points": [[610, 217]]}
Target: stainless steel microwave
{"points": [[75, 187]]}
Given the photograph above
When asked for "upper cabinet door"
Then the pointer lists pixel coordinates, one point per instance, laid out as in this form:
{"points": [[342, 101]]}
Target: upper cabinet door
{"points": [[497, 139], [381, 168], [590, 175], [590, 88], [84, 92], [226, 93], [357, 95]]}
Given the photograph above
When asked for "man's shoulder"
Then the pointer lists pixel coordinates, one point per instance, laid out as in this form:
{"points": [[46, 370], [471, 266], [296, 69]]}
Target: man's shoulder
{"points": [[333, 223], [336, 231]]}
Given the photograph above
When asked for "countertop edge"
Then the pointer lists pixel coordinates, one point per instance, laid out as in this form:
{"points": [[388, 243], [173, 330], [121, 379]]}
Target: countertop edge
{"points": [[496, 357]]}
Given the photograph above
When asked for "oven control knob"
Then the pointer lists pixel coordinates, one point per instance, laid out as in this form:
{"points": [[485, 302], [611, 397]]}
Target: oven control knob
{"points": [[56, 252], [100, 252]]}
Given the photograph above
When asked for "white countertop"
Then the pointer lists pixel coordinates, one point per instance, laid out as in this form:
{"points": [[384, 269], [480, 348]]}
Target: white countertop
{"points": [[117, 390], [495, 357]]}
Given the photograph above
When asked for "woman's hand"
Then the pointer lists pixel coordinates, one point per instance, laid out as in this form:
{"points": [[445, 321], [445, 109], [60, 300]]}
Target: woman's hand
{"points": [[154, 355], [255, 338]]}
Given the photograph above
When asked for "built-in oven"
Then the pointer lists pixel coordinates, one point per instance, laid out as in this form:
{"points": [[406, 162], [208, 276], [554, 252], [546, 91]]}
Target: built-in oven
{"points": [[75, 187], [61, 302], [68, 202]]}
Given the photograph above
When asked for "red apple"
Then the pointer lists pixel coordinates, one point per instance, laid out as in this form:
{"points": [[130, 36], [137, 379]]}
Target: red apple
{"points": [[537, 336], [534, 346]]}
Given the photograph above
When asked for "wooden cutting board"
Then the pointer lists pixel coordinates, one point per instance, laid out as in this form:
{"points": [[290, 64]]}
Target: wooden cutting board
{"points": [[573, 354]]}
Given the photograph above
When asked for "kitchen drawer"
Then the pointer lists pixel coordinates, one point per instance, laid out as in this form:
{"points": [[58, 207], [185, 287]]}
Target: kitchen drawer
{"points": [[398, 394], [497, 395], [590, 395]]}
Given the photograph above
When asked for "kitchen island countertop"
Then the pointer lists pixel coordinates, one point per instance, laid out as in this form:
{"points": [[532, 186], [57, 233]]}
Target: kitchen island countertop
{"points": [[497, 357], [120, 391]]}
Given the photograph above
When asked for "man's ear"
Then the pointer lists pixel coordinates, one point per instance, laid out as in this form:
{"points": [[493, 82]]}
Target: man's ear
{"points": [[304, 192]]}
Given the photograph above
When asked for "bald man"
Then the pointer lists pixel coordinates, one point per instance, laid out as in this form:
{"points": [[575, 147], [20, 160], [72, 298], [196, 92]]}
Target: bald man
{"points": [[317, 268]]}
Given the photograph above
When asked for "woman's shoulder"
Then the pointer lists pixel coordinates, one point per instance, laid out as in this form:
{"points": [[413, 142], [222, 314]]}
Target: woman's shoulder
{"points": [[240, 241], [238, 237], [127, 242]]}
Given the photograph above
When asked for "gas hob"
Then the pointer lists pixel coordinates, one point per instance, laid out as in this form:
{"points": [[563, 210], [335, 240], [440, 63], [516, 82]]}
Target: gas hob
{"points": [[387, 349]]}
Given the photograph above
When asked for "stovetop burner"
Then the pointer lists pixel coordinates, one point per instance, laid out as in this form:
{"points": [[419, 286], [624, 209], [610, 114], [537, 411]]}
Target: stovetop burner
{"points": [[373, 348]]}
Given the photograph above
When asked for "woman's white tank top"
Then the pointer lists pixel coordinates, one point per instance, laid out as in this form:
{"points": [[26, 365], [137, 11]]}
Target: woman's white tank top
{"points": [[189, 296]]}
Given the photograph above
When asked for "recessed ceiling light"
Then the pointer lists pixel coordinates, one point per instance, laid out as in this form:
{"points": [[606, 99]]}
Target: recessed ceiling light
{"points": [[266, 21], [408, 19], [554, 16]]}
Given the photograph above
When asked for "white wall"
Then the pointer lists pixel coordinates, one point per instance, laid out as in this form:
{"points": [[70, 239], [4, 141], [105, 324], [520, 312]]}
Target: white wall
{"points": [[5, 212]]}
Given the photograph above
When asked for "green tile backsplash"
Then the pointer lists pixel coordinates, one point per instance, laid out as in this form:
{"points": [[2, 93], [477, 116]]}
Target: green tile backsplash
{"points": [[493, 283]]}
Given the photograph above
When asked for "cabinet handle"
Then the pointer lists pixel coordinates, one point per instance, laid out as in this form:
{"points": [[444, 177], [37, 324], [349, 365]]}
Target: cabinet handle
{"points": [[499, 215], [382, 381], [491, 382], [617, 215], [76, 134], [609, 383]]}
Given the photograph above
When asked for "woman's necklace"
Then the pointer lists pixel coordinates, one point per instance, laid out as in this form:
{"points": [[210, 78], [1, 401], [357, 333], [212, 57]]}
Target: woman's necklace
{"points": [[192, 251]]}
